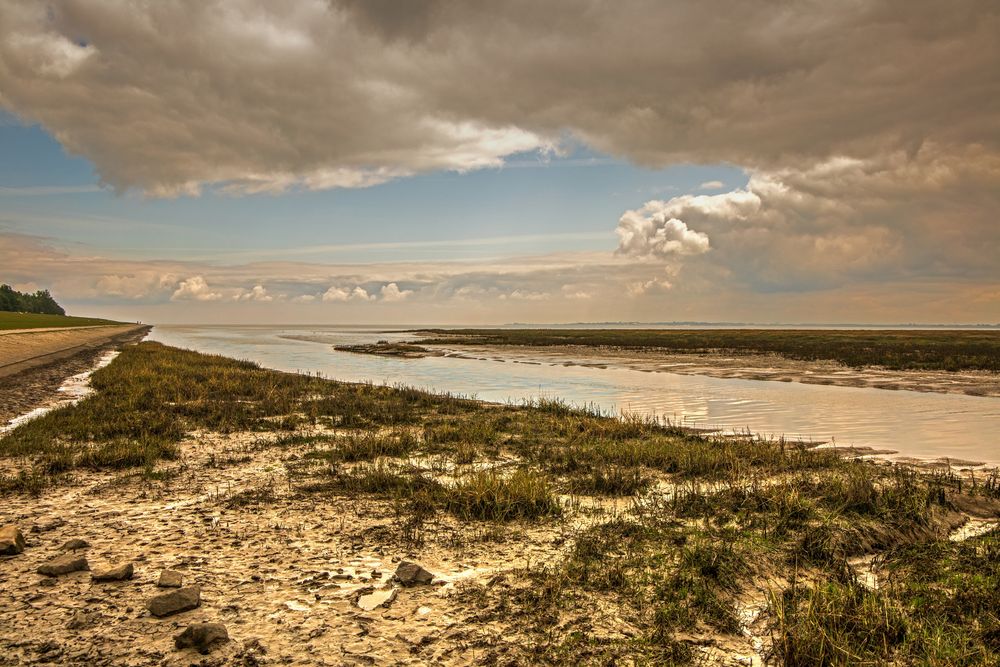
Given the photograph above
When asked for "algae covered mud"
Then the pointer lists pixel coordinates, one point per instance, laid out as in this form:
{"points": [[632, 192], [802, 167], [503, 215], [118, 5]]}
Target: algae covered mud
{"points": [[924, 425], [315, 522]]}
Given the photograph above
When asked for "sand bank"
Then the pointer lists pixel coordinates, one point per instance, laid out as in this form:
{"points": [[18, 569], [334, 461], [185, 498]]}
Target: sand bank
{"points": [[746, 367]]}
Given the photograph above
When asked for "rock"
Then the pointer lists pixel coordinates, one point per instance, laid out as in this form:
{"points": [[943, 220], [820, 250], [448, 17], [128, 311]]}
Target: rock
{"points": [[409, 573], [11, 540], [175, 602], [120, 573], [374, 599], [83, 619], [52, 524], [170, 579], [63, 565], [75, 544], [201, 636]]}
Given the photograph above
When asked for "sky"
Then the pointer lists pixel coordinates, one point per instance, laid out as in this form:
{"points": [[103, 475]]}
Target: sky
{"points": [[437, 162]]}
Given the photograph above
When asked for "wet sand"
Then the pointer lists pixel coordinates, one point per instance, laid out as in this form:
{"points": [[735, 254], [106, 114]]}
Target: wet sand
{"points": [[746, 367]]}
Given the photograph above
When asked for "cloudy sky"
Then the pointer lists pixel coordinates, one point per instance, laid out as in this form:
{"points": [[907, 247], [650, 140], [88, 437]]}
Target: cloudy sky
{"points": [[437, 161]]}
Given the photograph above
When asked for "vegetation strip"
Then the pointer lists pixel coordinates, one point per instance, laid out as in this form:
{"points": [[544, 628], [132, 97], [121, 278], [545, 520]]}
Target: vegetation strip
{"points": [[892, 349]]}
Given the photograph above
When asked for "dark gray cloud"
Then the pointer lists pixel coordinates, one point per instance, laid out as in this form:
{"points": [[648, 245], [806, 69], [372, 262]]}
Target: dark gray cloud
{"points": [[167, 96]]}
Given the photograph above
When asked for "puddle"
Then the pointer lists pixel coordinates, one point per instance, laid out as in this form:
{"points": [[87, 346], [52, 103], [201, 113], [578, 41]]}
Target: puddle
{"points": [[973, 528]]}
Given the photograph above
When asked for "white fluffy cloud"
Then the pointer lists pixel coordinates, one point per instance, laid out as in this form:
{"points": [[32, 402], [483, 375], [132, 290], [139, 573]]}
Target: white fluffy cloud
{"points": [[343, 294], [195, 288], [256, 293], [654, 230], [391, 293], [925, 213]]}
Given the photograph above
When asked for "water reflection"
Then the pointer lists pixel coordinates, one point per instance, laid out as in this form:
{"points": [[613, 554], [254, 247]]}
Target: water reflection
{"points": [[915, 424]]}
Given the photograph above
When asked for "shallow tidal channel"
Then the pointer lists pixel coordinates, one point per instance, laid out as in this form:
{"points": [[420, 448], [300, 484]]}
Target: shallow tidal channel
{"points": [[917, 425]]}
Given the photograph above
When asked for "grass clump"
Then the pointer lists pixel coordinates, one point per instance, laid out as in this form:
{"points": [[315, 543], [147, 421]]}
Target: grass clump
{"points": [[479, 496], [368, 446], [610, 481], [836, 623], [489, 496]]}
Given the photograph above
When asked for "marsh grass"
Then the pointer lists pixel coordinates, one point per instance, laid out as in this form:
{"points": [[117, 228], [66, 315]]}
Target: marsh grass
{"points": [[937, 606], [609, 480], [489, 496], [368, 446], [263, 493], [478, 496]]}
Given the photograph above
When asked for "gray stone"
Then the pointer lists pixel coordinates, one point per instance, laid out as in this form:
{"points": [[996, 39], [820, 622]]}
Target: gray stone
{"points": [[11, 540], [202, 636], [170, 579], [175, 602], [63, 565], [120, 573], [75, 544], [409, 574]]}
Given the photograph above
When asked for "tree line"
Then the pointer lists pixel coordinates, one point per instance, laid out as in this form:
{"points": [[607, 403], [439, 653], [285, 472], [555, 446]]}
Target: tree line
{"points": [[22, 302]]}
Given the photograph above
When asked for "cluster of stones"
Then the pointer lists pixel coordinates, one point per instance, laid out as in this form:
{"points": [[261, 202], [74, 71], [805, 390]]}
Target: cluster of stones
{"points": [[200, 636], [177, 597]]}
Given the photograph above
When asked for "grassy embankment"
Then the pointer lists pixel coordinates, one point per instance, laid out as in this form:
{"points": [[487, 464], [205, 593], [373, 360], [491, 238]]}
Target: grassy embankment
{"points": [[896, 350], [39, 321], [710, 518]]}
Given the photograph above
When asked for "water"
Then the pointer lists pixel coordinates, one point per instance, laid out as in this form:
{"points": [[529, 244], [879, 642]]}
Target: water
{"points": [[920, 425]]}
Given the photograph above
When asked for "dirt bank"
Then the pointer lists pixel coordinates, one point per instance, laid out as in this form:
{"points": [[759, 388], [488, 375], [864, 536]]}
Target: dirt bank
{"points": [[34, 364]]}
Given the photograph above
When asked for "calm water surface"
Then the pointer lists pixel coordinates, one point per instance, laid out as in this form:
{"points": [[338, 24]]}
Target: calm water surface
{"points": [[912, 423]]}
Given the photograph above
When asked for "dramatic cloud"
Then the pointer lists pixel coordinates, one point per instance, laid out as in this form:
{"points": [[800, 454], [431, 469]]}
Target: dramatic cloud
{"points": [[868, 131], [255, 96], [899, 216]]}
